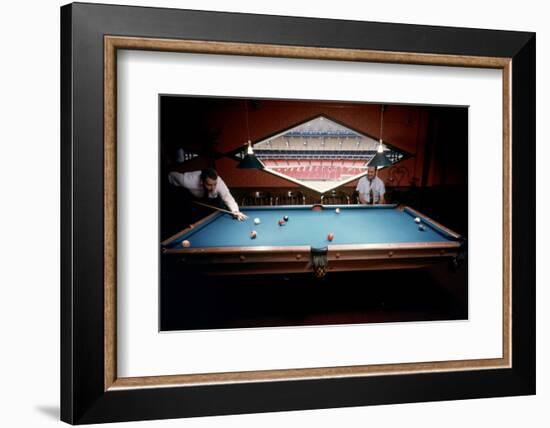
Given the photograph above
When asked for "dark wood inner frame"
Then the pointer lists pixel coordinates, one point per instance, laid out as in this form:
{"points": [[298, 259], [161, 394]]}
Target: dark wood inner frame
{"points": [[84, 209], [114, 43]]}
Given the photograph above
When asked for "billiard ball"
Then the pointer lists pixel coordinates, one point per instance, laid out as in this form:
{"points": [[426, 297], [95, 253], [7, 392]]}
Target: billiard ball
{"points": [[281, 222], [337, 210], [421, 227], [285, 218], [253, 234], [417, 220], [256, 221], [186, 243], [330, 236]]}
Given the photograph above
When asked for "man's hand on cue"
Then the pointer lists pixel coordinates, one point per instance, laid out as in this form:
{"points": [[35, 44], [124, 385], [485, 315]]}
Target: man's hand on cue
{"points": [[240, 216]]}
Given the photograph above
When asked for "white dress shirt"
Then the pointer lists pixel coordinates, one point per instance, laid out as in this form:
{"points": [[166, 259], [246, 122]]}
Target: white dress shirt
{"points": [[365, 186], [192, 182]]}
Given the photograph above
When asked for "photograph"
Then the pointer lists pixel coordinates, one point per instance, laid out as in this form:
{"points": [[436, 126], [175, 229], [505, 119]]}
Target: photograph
{"points": [[270, 213], [286, 212]]}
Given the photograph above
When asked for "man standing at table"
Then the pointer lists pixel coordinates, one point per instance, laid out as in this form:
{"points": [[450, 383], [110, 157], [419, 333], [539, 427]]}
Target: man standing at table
{"points": [[207, 187], [371, 188]]}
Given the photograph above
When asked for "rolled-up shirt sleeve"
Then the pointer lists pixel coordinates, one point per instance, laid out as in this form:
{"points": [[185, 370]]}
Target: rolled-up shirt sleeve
{"points": [[226, 196], [177, 179]]}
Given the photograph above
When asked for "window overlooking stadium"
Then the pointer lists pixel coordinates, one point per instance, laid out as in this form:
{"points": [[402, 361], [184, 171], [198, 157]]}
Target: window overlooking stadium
{"points": [[320, 154]]}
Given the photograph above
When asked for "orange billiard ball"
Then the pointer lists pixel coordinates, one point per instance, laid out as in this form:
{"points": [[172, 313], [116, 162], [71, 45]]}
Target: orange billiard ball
{"points": [[186, 243], [330, 236]]}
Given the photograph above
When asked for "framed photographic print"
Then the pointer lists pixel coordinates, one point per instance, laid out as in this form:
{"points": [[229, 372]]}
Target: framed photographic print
{"points": [[265, 213]]}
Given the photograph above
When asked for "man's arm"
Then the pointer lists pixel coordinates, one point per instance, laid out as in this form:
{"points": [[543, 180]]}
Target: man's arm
{"points": [[177, 179], [382, 192], [228, 199], [360, 192]]}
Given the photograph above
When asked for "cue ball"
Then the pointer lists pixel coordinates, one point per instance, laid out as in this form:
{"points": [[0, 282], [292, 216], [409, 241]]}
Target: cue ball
{"points": [[337, 210], [285, 218], [417, 220], [186, 243], [253, 234], [330, 236], [421, 227], [256, 221], [281, 222]]}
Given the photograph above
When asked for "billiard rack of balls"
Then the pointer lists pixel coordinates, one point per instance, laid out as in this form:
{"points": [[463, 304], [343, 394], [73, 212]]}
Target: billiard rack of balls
{"points": [[300, 259]]}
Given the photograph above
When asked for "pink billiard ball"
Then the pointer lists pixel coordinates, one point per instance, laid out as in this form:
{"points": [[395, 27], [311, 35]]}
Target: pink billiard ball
{"points": [[330, 236], [186, 243], [253, 234], [281, 222]]}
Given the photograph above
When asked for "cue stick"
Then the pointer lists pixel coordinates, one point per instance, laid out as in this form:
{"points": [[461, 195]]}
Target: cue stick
{"points": [[214, 208]]}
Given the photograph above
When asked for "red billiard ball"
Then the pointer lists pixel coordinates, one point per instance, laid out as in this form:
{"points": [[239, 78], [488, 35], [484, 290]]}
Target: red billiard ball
{"points": [[253, 234], [281, 222], [330, 236], [186, 243]]}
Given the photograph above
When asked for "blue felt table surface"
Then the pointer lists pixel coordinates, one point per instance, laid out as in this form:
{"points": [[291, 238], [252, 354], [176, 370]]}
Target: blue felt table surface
{"points": [[357, 225]]}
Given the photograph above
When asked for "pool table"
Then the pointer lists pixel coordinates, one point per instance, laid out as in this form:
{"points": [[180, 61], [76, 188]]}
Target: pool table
{"points": [[365, 237]]}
